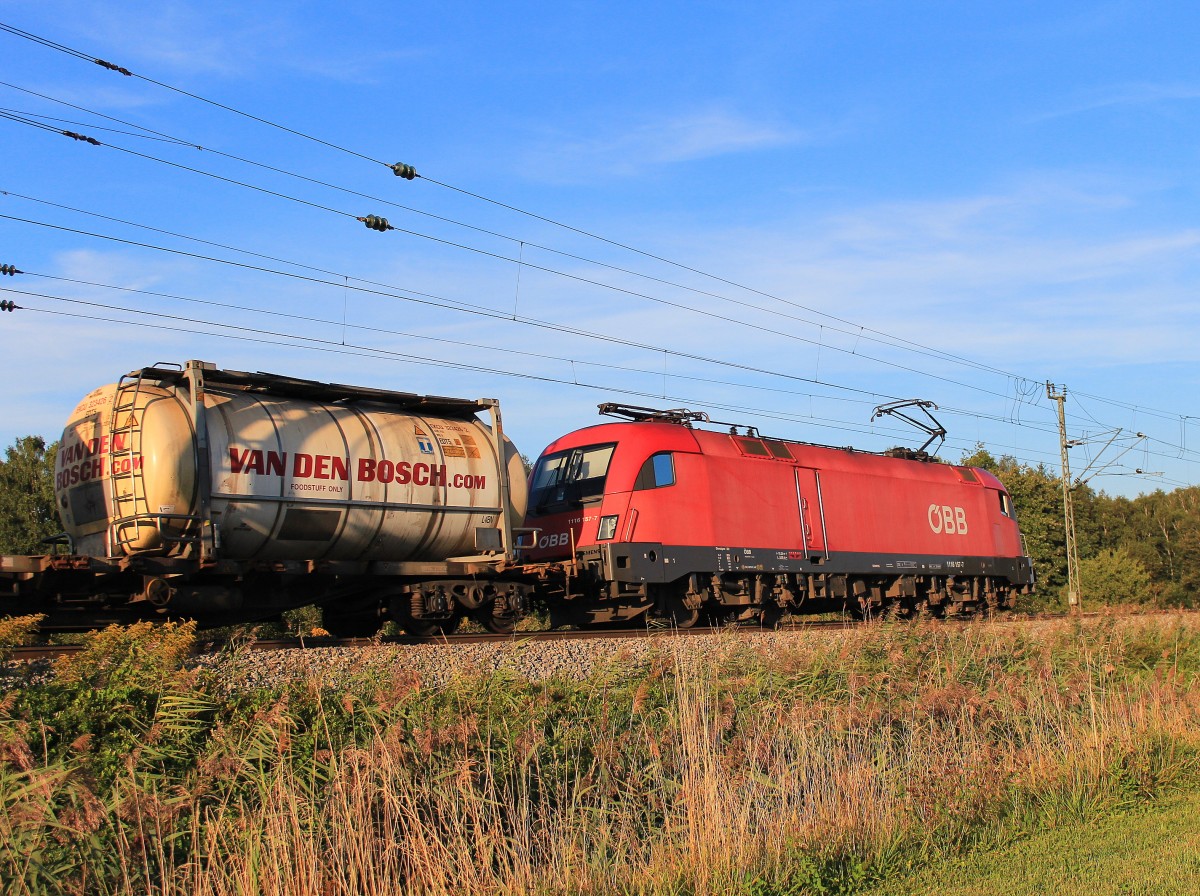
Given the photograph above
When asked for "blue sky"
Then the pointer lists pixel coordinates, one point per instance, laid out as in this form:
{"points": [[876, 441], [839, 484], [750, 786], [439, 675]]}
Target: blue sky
{"points": [[834, 205]]}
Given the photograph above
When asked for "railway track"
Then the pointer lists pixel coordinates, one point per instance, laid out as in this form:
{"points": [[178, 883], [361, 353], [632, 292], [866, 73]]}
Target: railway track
{"points": [[54, 651]]}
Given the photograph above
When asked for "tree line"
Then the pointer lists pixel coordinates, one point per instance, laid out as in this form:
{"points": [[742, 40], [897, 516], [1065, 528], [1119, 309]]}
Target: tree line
{"points": [[1143, 550]]}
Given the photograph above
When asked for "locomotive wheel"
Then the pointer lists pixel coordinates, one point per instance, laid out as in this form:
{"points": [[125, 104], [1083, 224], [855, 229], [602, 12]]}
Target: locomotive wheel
{"points": [[683, 617], [669, 607], [675, 614], [675, 617]]}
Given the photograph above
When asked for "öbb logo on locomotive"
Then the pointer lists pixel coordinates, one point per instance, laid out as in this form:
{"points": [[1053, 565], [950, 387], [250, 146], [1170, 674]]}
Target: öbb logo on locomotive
{"points": [[226, 496], [553, 541], [947, 520]]}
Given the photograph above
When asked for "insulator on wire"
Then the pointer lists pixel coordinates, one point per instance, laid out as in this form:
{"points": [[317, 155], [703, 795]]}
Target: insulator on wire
{"points": [[9, 270], [74, 136], [408, 172], [113, 67], [374, 222], [6, 305]]}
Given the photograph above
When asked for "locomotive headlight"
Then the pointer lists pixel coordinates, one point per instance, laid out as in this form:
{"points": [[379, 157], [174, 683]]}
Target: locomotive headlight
{"points": [[608, 528]]}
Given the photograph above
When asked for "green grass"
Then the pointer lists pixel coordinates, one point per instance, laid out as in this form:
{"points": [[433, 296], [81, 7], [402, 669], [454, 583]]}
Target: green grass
{"points": [[1154, 851]]}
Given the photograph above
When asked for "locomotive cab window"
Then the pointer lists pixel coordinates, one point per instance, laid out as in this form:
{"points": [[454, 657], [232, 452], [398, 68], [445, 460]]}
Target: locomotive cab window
{"points": [[656, 472], [568, 479], [1006, 505]]}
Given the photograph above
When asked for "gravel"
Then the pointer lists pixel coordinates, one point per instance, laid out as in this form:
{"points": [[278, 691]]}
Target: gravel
{"points": [[435, 665]]}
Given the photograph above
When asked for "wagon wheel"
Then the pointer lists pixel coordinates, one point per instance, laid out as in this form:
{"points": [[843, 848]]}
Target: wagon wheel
{"points": [[428, 628], [351, 626], [494, 616], [400, 608], [359, 618]]}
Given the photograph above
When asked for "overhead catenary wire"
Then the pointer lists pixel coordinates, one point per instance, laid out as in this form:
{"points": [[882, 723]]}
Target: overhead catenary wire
{"points": [[310, 343], [22, 116], [461, 365], [521, 319], [296, 340], [864, 402], [70, 51], [454, 305], [463, 343], [410, 173]]}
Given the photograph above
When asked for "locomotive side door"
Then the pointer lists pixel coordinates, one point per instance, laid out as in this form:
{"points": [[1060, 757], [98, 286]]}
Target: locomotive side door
{"points": [[811, 513]]}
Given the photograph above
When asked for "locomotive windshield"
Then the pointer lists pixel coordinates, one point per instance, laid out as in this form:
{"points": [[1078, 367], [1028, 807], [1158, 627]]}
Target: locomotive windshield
{"points": [[569, 478]]}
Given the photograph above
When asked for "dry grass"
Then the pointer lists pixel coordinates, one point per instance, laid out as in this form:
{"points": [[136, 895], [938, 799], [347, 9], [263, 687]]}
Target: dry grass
{"points": [[816, 768]]}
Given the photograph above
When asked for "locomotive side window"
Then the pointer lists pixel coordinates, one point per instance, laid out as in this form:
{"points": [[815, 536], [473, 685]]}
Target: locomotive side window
{"points": [[656, 472], [1006, 506], [569, 478]]}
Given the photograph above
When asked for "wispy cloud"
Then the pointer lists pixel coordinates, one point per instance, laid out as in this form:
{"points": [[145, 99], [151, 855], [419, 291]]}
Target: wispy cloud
{"points": [[173, 39], [1036, 274], [1146, 94], [685, 137]]}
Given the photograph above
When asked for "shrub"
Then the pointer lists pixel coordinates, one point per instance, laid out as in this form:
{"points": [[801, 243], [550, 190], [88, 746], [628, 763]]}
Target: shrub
{"points": [[1115, 577], [14, 631]]}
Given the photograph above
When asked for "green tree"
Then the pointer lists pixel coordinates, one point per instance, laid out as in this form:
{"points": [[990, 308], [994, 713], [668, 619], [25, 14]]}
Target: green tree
{"points": [[1147, 547], [1114, 577], [1162, 531], [27, 513]]}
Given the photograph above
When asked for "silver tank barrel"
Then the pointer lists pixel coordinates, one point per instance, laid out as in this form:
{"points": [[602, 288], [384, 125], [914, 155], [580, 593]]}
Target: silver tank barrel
{"points": [[277, 469]]}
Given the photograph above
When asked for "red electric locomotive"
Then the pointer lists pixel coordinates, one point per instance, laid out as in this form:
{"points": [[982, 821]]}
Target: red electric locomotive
{"points": [[652, 519]]}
